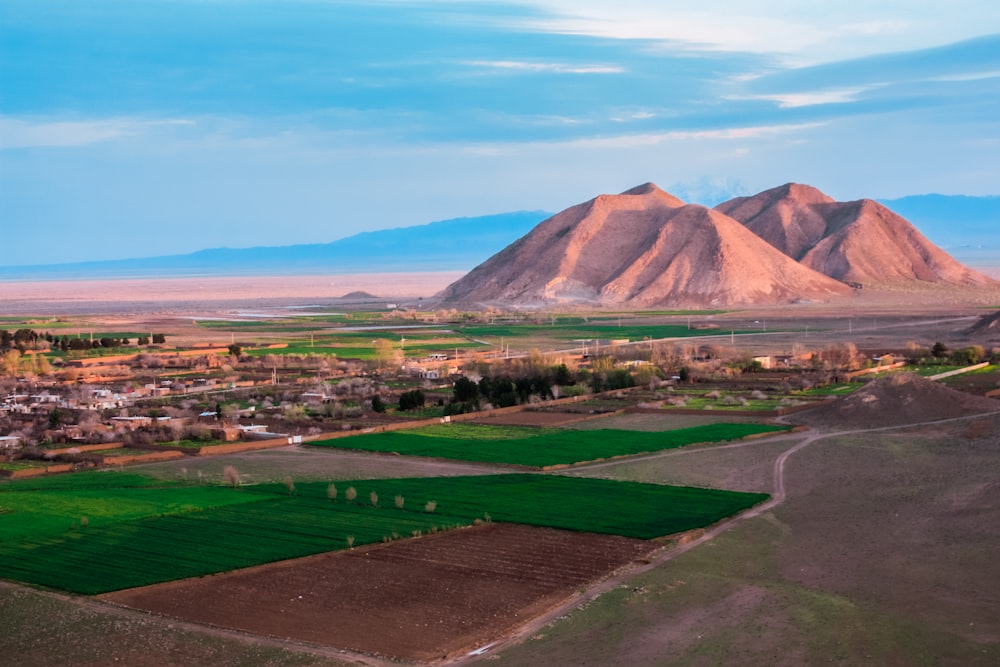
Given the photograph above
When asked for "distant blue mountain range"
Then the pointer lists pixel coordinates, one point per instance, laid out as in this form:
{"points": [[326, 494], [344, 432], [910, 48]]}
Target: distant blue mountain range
{"points": [[458, 244], [968, 228]]}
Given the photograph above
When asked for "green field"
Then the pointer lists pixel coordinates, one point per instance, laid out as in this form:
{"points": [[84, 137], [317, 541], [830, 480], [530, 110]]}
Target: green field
{"points": [[608, 331], [537, 447], [839, 389], [96, 532]]}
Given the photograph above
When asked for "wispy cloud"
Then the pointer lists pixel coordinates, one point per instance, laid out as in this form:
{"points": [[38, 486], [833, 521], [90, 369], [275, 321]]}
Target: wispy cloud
{"points": [[19, 133], [792, 100], [721, 134], [558, 68], [803, 32]]}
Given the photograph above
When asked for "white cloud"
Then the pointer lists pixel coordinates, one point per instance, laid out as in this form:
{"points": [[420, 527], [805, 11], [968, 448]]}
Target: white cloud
{"points": [[558, 68], [19, 133], [629, 141], [808, 98], [804, 32]]}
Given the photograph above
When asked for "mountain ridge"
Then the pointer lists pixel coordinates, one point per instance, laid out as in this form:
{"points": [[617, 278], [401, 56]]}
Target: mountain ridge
{"points": [[860, 241], [967, 227], [644, 247]]}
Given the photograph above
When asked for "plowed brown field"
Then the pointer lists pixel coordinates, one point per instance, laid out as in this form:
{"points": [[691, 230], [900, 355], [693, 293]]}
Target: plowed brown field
{"points": [[418, 599]]}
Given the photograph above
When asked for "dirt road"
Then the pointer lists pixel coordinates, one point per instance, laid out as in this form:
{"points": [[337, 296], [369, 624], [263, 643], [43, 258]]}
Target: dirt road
{"points": [[778, 496]]}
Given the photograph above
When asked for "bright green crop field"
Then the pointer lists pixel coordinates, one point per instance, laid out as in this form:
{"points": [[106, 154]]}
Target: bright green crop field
{"points": [[97, 532], [537, 447]]}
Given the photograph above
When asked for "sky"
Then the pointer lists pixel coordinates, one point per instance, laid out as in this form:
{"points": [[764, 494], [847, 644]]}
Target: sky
{"points": [[134, 129]]}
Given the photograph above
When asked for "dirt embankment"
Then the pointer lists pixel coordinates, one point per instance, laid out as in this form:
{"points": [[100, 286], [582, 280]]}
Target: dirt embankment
{"points": [[896, 400]]}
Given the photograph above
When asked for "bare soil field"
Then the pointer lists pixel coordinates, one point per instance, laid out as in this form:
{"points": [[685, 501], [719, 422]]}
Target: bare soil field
{"points": [[310, 464], [741, 466], [420, 599]]}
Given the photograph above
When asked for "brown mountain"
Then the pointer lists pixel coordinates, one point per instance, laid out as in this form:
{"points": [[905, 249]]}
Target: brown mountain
{"points": [[642, 248], [856, 242]]}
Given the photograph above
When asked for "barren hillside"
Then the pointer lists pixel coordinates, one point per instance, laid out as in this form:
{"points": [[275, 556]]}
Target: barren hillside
{"points": [[642, 248], [857, 242]]}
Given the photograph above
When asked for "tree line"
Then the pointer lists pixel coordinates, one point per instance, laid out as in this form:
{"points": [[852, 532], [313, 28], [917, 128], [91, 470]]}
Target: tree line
{"points": [[29, 339]]}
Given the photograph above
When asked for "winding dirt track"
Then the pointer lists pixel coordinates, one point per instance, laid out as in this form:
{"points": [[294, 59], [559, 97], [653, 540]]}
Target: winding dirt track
{"points": [[778, 496]]}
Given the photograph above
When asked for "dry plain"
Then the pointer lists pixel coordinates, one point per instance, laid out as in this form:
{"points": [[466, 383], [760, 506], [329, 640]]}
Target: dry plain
{"points": [[883, 551]]}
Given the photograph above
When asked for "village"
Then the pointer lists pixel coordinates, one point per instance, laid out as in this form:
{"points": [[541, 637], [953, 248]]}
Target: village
{"points": [[117, 401]]}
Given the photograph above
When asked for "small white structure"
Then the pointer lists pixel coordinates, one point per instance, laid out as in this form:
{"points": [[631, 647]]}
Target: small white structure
{"points": [[10, 442]]}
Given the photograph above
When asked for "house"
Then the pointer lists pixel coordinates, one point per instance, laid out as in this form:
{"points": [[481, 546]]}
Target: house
{"points": [[10, 442]]}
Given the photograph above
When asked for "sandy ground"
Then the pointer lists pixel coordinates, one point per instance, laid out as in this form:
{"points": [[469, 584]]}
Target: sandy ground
{"points": [[157, 294]]}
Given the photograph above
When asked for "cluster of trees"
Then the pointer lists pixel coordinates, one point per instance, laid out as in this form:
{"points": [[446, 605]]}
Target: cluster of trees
{"points": [[29, 339], [21, 340], [412, 400], [505, 390], [605, 377], [965, 356]]}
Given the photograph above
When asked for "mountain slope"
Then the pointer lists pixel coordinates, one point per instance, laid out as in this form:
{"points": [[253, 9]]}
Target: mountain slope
{"points": [[641, 248], [858, 242], [786, 216]]}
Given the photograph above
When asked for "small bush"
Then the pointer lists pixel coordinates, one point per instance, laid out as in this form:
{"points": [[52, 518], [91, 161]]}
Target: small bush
{"points": [[351, 493], [430, 506], [289, 484], [373, 497], [229, 474], [350, 541], [331, 491], [84, 522], [400, 501]]}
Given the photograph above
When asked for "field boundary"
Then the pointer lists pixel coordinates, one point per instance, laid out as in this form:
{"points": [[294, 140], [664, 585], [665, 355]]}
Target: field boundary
{"points": [[959, 371]]}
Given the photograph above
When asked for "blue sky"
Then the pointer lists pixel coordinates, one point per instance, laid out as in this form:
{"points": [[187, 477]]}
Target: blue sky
{"points": [[132, 129]]}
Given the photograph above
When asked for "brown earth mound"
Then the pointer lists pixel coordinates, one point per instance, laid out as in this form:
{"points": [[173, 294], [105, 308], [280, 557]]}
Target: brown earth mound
{"points": [[987, 325], [896, 400]]}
